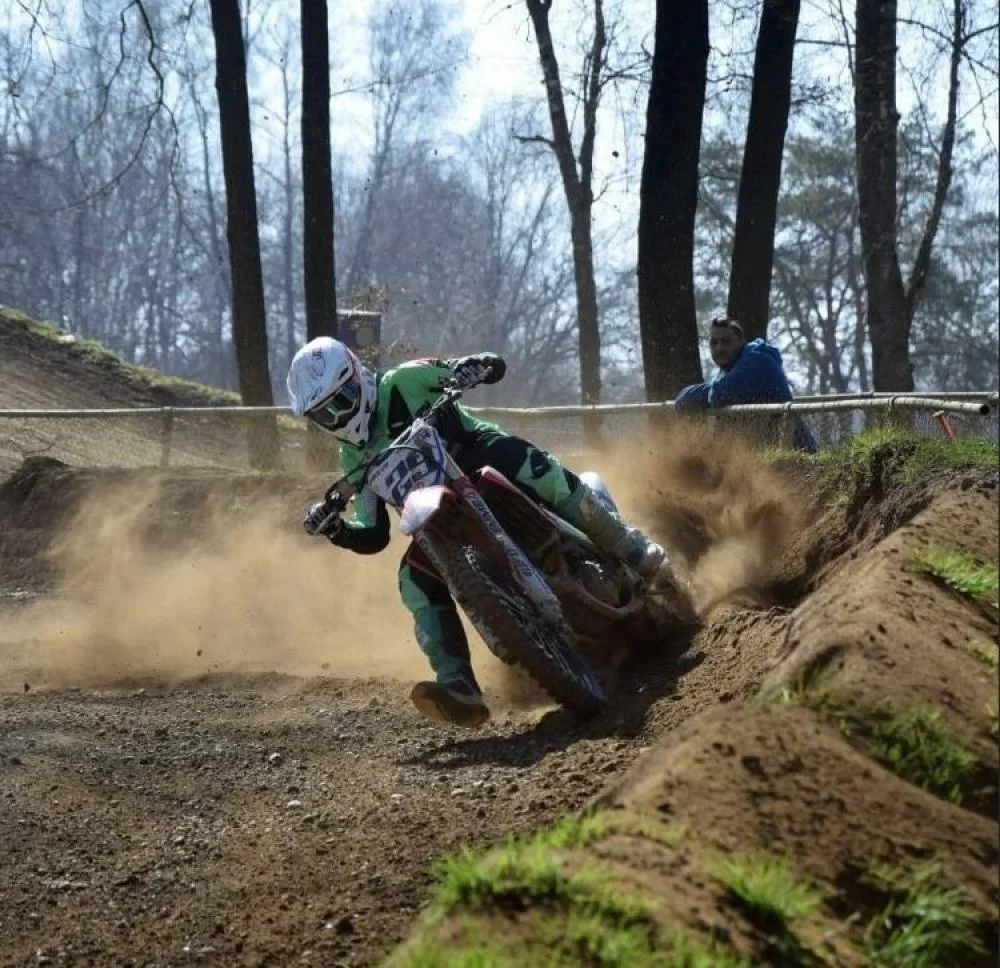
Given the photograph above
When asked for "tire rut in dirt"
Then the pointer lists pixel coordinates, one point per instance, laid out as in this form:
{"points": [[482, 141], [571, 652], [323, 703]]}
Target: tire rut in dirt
{"points": [[491, 602]]}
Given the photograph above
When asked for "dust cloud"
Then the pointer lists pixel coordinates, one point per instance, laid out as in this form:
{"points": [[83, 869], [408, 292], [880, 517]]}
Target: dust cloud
{"points": [[141, 594], [726, 515], [148, 589]]}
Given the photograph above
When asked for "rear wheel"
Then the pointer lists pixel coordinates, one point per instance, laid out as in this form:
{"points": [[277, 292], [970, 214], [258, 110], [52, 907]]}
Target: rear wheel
{"points": [[512, 625]]}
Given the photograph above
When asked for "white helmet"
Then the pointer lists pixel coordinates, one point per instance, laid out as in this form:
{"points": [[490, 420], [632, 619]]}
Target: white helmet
{"points": [[328, 384]]}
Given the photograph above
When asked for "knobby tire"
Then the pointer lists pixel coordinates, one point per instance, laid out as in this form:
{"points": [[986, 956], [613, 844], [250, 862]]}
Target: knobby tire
{"points": [[498, 607]]}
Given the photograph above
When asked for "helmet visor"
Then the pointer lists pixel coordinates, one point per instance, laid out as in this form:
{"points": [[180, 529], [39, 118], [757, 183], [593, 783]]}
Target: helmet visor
{"points": [[338, 409]]}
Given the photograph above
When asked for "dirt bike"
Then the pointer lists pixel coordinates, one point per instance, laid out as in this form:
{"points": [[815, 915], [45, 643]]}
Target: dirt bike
{"points": [[530, 582]]}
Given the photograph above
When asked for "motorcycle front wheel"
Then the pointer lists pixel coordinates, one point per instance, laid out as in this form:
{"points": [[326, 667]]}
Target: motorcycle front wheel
{"points": [[513, 627]]}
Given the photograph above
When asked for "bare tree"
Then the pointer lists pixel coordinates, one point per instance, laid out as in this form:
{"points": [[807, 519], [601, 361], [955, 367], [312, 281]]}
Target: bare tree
{"points": [[669, 196], [577, 179], [249, 324], [756, 210], [317, 173], [891, 303], [413, 56]]}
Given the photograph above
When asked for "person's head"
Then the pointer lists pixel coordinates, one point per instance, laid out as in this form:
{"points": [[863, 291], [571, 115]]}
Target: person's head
{"points": [[726, 340], [328, 385]]}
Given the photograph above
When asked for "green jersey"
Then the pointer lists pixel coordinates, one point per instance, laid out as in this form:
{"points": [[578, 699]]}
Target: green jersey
{"points": [[403, 394]]}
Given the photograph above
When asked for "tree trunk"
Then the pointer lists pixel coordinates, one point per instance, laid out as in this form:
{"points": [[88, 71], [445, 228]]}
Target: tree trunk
{"points": [[317, 174], [577, 187], [668, 198], [288, 230], [249, 324], [757, 207], [876, 124], [922, 262], [317, 197]]}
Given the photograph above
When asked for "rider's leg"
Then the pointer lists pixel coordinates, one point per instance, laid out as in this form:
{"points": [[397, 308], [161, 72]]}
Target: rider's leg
{"points": [[542, 474], [454, 696]]}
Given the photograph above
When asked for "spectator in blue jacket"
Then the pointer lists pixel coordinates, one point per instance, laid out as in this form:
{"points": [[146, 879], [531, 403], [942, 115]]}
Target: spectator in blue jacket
{"points": [[748, 373]]}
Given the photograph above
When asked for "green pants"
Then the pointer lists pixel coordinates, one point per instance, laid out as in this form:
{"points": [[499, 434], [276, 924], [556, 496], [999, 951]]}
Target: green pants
{"points": [[438, 629]]}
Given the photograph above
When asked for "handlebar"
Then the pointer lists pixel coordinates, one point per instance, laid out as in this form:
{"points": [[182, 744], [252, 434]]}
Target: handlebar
{"points": [[340, 492]]}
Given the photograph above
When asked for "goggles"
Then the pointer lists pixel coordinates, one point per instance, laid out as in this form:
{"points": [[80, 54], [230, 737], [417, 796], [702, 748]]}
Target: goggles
{"points": [[337, 409]]}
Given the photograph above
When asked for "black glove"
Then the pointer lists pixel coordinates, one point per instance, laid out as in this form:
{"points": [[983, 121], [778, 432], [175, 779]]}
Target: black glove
{"points": [[321, 519], [472, 370]]}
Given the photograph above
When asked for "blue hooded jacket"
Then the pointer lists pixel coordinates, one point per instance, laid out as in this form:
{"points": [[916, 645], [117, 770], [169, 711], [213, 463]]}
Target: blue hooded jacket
{"points": [[755, 376]]}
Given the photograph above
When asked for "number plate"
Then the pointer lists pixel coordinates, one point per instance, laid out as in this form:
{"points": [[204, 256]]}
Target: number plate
{"points": [[417, 460]]}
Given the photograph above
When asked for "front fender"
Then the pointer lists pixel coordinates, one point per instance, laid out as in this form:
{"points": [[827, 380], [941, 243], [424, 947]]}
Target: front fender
{"points": [[420, 506]]}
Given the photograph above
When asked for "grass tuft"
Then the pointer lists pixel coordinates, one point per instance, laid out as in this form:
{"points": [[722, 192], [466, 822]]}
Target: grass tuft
{"points": [[519, 874], [579, 831], [916, 746], [986, 652], [764, 886], [919, 455], [484, 955], [962, 573], [925, 924], [578, 916], [684, 953], [575, 831], [569, 943]]}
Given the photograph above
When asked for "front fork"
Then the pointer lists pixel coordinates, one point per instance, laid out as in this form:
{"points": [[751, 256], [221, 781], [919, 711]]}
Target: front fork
{"points": [[469, 503]]}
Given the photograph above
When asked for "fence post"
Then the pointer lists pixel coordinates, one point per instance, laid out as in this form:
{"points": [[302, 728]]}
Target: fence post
{"points": [[942, 421], [787, 430], [166, 436]]}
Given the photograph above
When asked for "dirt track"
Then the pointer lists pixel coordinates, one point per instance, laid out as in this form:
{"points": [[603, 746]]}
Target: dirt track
{"points": [[243, 817]]}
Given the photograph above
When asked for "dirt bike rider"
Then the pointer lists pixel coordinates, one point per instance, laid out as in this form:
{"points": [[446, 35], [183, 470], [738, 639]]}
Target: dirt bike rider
{"points": [[366, 411]]}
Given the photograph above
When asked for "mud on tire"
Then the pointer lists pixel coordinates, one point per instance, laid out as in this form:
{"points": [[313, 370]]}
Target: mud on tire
{"points": [[500, 611]]}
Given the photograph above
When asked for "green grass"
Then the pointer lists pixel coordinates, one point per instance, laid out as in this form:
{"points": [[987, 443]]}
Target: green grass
{"points": [[914, 743], [522, 873], [961, 573], [986, 652], [577, 941], [916, 746], [571, 916], [575, 831], [918, 454], [582, 829], [764, 886], [925, 924], [477, 955]]}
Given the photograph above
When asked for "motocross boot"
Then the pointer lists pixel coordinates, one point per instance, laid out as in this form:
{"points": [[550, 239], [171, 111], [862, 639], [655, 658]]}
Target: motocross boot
{"points": [[455, 696], [585, 510]]}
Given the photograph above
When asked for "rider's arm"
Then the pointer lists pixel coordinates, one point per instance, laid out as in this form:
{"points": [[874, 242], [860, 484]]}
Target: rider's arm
{"points": [[420, 381], [368, 531]]}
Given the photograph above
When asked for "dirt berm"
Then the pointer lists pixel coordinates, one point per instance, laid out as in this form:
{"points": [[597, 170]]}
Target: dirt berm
{"points": [[844, 814], [207, 755]]}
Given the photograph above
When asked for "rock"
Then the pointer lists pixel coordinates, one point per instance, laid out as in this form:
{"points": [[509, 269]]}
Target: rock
{"points": [[293, 805], [275, 759]]}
